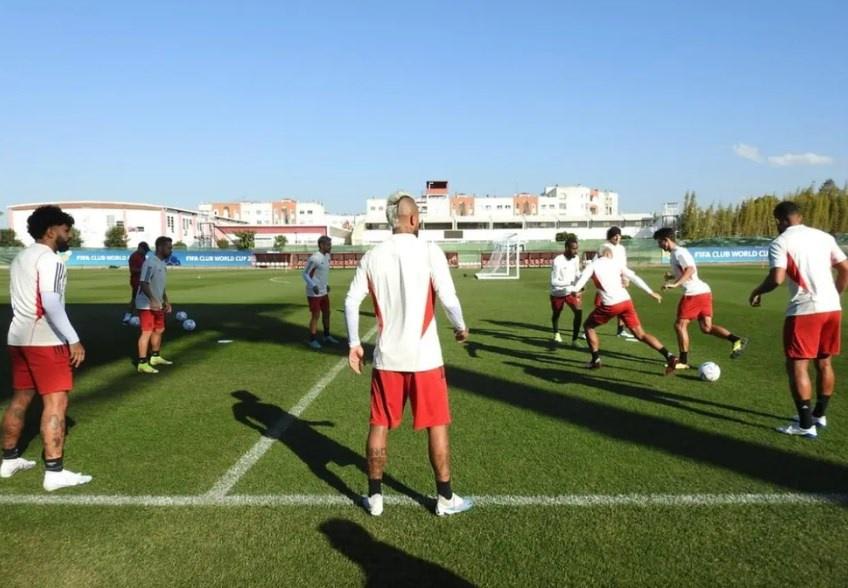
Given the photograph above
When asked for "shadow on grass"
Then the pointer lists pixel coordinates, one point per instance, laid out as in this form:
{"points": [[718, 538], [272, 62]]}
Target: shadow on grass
{"points": [[384, 564], [314, 449], [761, 462]]}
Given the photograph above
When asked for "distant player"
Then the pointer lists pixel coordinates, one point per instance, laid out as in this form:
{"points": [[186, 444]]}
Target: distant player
{"points": [[812, 328], [565, 271], [43, 347], [404, 275], [615, 302], [135, 262], [619, 255], [316, 275], [152, 303], [696, 302]]}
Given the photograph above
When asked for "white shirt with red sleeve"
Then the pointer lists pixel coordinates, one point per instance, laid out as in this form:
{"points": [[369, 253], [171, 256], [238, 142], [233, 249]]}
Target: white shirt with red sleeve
{"points": [[564, 273], [681, 259], [404, 275], [606, 273], [35, 271], [808, 255], [317, 273]]}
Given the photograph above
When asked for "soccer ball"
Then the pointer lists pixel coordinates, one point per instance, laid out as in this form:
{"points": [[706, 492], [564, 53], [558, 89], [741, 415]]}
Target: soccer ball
{"points": [[189, 325], [181, 315], [135, 321], [709, 371]]}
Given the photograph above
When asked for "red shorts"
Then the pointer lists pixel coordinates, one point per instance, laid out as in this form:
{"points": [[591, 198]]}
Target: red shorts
{"points": [[427, 392], [810, 336], [691, 308], [557, 302], [624, 310], [44, 369], [152, 320], [319, 303]]}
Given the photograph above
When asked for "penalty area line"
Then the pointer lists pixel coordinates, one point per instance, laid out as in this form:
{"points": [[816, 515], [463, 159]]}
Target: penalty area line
{"points": [[483, 501], [226, 482]]}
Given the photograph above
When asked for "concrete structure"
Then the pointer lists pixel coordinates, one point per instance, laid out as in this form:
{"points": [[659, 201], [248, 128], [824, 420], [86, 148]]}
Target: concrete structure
{"points": [[277, 212], [142, 222]]}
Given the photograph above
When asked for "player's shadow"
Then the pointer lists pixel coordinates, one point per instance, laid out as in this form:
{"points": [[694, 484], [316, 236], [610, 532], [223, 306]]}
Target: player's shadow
{"points": [[315, 449], [384, 564], [766, 463], [519, 326]]}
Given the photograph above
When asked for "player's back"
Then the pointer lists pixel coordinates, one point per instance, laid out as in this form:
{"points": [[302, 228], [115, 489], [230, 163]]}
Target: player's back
{"points": [[607, 273], [29, 267], [401, 283]]}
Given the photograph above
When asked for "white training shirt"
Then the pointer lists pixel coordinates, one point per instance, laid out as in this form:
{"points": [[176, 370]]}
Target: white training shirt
{"points": [[564, 274], [680, 260], [154, 272], [35, 271], [404, 274], [607, 274], [619, 254], [317, 273], [808, 255]]}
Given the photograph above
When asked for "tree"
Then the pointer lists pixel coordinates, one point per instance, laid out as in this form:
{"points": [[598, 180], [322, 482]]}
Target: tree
{"points": [[116, 238], [245, 239], [9, 239], [180, 245], [280, 242], [223, 243], [76, 239]]}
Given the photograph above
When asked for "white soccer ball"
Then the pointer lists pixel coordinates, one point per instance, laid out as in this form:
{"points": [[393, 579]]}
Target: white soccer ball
{"points": [[709, 371], [135, 321], [181, 315], [189, 325]]}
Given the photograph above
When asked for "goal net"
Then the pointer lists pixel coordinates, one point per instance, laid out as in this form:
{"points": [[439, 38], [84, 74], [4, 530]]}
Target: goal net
{"points": [[503, 262]]}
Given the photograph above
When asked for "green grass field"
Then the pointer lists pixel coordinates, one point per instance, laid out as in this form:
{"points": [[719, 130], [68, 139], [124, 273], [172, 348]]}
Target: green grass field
{"points": [[612, 477]]}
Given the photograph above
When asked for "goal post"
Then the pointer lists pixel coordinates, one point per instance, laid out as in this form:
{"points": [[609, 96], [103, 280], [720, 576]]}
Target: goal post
{"points": [[504, 261]]}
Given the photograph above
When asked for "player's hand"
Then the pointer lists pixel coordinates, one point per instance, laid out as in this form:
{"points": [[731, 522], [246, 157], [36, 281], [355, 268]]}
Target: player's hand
{"points": [[155, 305], [315, 289], [77, 354], [356, 359], [168, 307], [461, 336], [755, 299], [656, 296], [669, 286]]}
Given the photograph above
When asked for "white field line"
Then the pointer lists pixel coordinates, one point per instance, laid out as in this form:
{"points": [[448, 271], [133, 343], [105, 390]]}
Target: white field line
{"points": [[334, 500], [226, 482]]}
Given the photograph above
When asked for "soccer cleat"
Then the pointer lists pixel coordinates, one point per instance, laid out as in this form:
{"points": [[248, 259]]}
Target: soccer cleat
{"points": [[819, 422], [594, 364], [146, 368], [331, 340], [558, 338], [626, 334], [373, 504], [670, 365], [455, 505], [159, 360], [793, 429], [739, 347], [64, 479], [314, 344], [10, 467], [681, 366]]}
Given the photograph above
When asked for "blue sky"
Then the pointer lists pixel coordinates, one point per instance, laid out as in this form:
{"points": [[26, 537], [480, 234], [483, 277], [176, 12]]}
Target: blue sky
{"points": [[181, 102]]}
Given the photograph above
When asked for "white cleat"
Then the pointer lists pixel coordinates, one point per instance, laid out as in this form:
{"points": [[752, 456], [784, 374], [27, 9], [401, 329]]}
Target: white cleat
{"points": [[558, 338], [455, 505], [820, 422], [373, 504], [793, 429], [10, 467], [64, 479]]}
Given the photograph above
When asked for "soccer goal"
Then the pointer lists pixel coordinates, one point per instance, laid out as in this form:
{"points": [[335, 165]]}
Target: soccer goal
{"points": [[503, 263]]}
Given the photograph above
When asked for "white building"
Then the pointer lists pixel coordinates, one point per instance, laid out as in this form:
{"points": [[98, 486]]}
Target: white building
{"points": [[142, 222]]}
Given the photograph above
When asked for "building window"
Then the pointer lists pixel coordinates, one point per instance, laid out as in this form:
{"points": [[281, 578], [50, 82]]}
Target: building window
{"points": [[120, 224], [169, 221]]}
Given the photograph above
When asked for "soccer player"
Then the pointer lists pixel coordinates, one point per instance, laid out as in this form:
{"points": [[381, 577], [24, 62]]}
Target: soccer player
{"points": [[135, 262], [316, 275], [564, 273], [152, 303], [43, 347], [404, 275], [615, 302], [811, 330], [619, 255], [697, 300]]}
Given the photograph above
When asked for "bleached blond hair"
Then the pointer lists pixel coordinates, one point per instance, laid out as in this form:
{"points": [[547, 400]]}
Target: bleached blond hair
{"points": [[392, 207]]}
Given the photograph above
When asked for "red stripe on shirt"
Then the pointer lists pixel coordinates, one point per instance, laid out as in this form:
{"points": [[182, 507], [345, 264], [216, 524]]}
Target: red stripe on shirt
{"points": [[39, 306], [377, 312], [794, 273], [597, 282], [429, 308]]}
